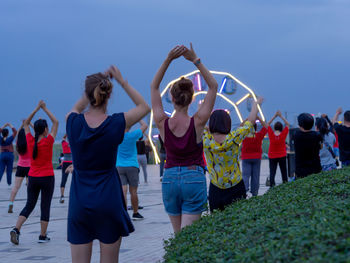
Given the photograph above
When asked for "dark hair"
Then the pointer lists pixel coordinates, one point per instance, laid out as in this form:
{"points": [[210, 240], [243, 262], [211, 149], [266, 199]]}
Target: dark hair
{"points": [[4, 134], [98, 89], [278, 126], [322, 126], [306, 121], [347, 115], [182, 92], [39, 129], [220, 122], [255, 126], [21, 144]]}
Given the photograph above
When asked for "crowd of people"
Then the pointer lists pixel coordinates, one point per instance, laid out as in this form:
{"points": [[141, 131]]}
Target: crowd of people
{"points": [[104, 155]]}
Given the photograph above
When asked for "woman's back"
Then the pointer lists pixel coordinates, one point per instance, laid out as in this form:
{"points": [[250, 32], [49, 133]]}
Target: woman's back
{"points": [[95, 149]]}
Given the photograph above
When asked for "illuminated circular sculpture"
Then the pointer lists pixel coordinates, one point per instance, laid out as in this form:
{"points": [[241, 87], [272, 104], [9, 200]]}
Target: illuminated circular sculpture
{"points": [[231, 95]]}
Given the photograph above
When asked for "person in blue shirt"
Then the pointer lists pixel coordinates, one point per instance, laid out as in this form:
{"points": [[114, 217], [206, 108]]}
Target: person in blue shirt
{"points": [[128, 166]]}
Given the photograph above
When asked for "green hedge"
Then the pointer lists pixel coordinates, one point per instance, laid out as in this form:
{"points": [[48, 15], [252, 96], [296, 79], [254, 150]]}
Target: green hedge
{"points": [[303, 221]]}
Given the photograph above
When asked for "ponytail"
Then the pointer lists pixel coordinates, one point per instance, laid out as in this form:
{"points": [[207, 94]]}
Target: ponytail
{"points": [[35, 149], [39, 128]]}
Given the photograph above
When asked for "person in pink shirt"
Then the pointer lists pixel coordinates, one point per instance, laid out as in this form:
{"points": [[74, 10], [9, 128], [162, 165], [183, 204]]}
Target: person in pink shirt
{"points": [[23, 165]]}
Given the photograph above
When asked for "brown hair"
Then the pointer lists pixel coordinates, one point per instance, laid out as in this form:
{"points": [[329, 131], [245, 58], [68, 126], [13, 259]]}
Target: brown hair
{"points": [[182, 92], [98, 89]]}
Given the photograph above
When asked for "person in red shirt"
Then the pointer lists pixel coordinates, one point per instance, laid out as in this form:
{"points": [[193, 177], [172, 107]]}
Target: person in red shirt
{"points": [[277, 149], [251, 158], [41, 174], [67, 161]]}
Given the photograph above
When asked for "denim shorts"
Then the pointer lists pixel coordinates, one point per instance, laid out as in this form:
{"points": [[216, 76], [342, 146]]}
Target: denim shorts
{"points": [[184, 190]]}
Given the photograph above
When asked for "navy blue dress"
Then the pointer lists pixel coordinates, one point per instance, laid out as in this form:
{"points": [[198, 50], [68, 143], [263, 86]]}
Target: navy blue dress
{"points": [[96, 203]]}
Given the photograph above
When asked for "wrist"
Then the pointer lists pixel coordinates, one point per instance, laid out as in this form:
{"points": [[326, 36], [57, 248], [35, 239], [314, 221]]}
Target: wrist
{"points": [[196, 61]]}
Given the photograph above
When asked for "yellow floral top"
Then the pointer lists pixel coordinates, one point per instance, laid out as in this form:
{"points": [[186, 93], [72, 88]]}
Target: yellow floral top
{"points": [[222, 159]]}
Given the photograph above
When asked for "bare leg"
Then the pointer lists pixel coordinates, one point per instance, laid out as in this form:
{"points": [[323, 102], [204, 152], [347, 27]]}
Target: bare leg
{"points": [[20, 222], [176, 223], [110, 252], [18, 183], [43, 227], [81, 253], [189, 219], [125, 192], [134, 198], [62, 191]]}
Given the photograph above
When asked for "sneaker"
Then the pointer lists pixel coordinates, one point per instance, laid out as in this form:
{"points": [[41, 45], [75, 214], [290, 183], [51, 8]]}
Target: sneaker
{"points": [[62, 199], [43, 239], [10, 211], [14, 234], [137, 216]]}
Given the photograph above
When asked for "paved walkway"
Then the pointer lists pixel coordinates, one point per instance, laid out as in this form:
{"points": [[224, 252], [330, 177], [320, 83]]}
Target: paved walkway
{"points": [[144, 245]]}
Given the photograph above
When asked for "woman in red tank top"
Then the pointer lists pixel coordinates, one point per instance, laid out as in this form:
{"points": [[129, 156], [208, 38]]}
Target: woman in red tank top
{"points": [[184, 183]]}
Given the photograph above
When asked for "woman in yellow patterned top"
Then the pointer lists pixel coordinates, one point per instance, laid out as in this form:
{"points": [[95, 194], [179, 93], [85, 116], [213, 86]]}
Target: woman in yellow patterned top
{"points": [[221, 149]]}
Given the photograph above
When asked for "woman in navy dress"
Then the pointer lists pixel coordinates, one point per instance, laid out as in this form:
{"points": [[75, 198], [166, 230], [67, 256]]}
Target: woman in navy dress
{"points": [[96, 205]]}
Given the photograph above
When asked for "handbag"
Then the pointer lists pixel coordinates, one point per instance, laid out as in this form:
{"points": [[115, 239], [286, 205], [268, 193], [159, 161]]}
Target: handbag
{"points": [[329, 148], [268, 181]]}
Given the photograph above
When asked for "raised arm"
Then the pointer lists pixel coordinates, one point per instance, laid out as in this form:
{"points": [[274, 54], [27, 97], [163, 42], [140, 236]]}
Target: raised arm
{"points": [[157, 106], [263, 123], [270, 121], [26, 123], [336, 116], [254, 112], [202, 115], [53, 119], [80, 105], [14, 131], [144, 126], [279, 114], [135, 114]]}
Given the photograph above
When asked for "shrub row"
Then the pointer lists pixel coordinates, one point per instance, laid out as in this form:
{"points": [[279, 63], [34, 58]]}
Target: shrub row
{"points": [[303, 221]]}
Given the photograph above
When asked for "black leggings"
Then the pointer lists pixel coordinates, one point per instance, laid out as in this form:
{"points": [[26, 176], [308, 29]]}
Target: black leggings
{"points": [[45, 185], [282, 162], [64, 174]]}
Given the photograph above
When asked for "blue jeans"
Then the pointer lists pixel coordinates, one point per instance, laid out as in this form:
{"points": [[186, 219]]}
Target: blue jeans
{"points": [[184, 190], [6, 162], [251, 172]]}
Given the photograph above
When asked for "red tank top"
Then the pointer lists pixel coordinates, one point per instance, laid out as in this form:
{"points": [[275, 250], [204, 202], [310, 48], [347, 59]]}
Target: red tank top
{"points": [[182, 151]]}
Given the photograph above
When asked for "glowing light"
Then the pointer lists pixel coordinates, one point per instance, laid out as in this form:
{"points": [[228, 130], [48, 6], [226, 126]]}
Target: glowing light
{"points": [[242, 99], [167, 113], [155, 136], [199, 82], [250, 93], [222, 85]]}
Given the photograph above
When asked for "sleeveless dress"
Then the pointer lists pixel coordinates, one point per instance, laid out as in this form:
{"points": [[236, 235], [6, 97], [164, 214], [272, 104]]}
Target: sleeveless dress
{"points": [[96, 203]]}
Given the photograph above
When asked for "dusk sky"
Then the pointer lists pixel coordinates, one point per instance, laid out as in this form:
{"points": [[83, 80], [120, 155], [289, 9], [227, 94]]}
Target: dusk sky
{"points": [[296, 53]]}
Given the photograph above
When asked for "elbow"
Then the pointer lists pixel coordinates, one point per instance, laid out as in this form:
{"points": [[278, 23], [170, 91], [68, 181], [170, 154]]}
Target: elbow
{"points": [[147, 108]]}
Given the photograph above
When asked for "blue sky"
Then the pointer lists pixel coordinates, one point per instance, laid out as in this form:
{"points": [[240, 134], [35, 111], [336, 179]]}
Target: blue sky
{"points": [[294, 53]]}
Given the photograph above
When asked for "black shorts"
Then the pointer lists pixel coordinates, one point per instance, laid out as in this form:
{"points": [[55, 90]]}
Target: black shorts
{"points": [[22, 171]]}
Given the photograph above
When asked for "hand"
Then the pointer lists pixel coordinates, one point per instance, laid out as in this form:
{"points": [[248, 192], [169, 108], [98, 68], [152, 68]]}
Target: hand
{"points": [[259, 100], [114, 72], [339, 110], [69, 169], [324, 115], [43, 104], [279, 113], [190, 54], [176, 52]]}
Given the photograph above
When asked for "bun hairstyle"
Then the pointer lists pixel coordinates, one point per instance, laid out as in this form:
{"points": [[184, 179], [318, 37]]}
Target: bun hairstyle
{"points": [[21, 144], [39, 129], [278, 126], [220, 122], [98, 89], [182, 92], [4, 134]]}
